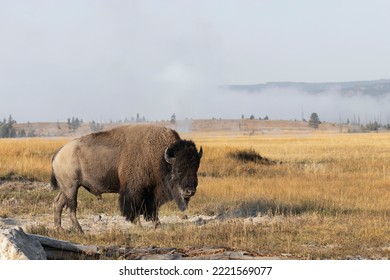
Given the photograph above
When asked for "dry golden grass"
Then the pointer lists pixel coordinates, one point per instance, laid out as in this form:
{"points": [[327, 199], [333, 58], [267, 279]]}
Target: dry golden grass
{"points": [[27, 158], [328, 199], [339, 172]]}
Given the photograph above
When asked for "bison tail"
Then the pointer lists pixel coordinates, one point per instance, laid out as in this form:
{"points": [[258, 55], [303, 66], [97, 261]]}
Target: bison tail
{"points": [[53, 181]]}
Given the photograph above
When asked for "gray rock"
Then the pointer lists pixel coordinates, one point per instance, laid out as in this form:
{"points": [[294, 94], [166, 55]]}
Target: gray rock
{"points": [[15, 244], [200, 221]]}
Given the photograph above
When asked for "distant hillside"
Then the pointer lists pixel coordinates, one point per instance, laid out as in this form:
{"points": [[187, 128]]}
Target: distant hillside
{"points": [[373, 88], [211, 127]]}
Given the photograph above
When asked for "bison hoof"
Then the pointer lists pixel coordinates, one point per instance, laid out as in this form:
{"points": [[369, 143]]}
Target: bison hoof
{"points": [[77, 230], [157, 224], [59, 229], [137, 222]]}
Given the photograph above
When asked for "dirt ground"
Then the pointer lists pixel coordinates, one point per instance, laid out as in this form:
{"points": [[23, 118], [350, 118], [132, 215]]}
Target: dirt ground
{"points": [[100, 222]]}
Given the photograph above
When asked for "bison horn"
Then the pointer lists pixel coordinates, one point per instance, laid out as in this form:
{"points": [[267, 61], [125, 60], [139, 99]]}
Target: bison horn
{"points": [[168, 158], [200, 152]]}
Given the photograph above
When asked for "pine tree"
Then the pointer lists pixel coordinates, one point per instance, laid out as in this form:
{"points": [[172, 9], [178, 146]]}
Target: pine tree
{"points": [[314, 120], [6, 128], [173, 118]]}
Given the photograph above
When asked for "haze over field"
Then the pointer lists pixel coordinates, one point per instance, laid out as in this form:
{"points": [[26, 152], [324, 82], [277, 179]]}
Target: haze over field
{"points": [[109, 60], [362, 101]]}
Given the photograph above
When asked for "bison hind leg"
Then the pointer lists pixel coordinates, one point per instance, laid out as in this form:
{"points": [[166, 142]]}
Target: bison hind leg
{"points": [[60, 201]]}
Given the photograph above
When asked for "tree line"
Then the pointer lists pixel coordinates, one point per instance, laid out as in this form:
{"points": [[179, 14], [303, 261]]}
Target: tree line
{"points": [[8, 129]]}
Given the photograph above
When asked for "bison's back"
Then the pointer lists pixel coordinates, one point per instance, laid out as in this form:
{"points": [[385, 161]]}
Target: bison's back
{"points": [[106, 161], [138, 149], [132, 134]]}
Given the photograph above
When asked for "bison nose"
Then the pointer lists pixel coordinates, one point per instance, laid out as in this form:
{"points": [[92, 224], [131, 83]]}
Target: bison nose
{"points": [[190, 192]]}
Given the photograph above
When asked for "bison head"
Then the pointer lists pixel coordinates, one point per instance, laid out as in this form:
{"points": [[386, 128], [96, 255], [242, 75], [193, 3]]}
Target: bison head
{"points": [[183, 160]]}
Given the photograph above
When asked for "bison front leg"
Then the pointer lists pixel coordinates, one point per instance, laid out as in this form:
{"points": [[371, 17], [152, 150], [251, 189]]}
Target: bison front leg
{"points": [[130, 205], [151, 211]]}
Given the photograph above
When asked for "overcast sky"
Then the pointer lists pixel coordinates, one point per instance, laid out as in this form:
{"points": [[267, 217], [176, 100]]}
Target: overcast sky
{"points": [[109, 60]]}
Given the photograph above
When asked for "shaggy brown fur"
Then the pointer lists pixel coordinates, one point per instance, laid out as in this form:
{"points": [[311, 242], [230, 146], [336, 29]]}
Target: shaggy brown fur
{"points": [[147, 165]]}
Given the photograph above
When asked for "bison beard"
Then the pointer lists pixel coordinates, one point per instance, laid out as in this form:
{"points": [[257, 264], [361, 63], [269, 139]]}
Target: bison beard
{"points": [[180, 199]]}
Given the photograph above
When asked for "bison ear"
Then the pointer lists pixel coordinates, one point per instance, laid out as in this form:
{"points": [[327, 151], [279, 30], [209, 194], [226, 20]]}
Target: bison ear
{"points": [[167, 157], [200, 152]]}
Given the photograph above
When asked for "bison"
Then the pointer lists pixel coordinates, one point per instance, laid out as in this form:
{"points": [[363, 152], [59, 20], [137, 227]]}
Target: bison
{"points": [[147, 165]]}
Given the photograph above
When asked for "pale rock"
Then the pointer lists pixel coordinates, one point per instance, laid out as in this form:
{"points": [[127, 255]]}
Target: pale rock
{"points": [[15, 244]]}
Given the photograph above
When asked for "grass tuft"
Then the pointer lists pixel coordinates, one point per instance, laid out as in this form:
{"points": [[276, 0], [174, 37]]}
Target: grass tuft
{"points": [[250, 155]]}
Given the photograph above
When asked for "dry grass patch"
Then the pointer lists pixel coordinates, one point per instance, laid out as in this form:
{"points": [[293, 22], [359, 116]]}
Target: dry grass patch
{"points": [[27, 158]]}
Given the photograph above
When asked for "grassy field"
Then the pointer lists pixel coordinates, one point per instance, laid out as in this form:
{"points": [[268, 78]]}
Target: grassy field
{"points": [[327, 199]]}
